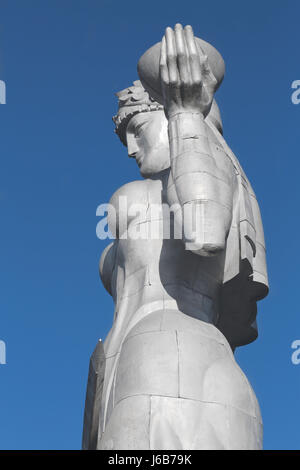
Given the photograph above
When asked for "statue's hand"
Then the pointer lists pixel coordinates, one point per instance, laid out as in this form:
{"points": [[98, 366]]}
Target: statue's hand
{"points": [[187, 81]]}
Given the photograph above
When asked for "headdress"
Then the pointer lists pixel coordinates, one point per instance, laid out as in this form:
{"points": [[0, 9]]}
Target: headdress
{"points": [[132, 100]]}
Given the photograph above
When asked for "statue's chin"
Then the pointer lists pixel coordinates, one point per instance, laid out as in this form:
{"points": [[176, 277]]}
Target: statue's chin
{"points": [[150, 171]]}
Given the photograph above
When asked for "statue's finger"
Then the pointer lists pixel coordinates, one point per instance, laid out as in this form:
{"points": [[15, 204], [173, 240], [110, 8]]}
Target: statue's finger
{"points": [[188, 62], [194, 58], [164, 73], [171, 56], [182, 56]]}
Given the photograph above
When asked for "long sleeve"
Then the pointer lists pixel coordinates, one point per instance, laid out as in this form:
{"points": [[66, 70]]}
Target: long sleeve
{"points": [[201, 184]]}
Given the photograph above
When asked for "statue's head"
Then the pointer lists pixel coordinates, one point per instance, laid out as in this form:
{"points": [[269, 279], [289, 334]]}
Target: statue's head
{"points": [[143, 128]]}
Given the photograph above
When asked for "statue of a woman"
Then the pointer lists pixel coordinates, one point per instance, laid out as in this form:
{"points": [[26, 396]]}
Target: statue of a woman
{"points": [[182, 304]]}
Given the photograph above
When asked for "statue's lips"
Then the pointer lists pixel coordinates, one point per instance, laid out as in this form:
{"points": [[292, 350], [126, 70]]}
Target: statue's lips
{"points": [[139, 159]]}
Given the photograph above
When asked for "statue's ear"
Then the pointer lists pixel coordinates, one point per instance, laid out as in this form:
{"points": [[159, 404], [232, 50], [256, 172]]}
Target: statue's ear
{"points": [[214, 116]]}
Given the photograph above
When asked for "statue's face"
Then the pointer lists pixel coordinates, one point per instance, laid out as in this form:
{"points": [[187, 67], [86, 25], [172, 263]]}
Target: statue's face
{"points": [[148, 143]]}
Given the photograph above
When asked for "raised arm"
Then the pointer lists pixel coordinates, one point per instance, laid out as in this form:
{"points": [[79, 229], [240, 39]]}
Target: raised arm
{"points": [[203, 190]]}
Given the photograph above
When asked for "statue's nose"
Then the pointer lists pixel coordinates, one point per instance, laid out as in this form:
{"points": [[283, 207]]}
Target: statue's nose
{"points": [[132, 147]]}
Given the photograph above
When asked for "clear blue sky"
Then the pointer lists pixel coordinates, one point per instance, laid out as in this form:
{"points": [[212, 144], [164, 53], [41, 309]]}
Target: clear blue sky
{"points": [[62, 61]]}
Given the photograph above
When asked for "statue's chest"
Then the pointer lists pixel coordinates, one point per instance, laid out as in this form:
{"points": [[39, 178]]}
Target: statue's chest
{"points": [[139, 211]]}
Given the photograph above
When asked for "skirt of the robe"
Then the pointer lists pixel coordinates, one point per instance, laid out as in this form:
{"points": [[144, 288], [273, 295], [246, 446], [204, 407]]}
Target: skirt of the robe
{"points": [[177, 386]]}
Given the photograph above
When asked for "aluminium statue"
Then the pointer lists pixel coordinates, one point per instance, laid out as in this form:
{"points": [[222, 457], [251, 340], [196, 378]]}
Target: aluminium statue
{"points": [[166, 376]]}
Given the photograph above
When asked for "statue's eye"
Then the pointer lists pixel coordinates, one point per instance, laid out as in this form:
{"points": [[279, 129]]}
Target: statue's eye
{"points": [[137, 131]]}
